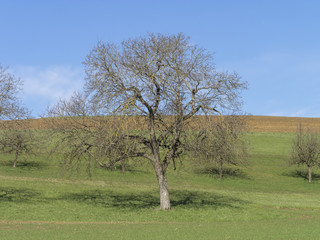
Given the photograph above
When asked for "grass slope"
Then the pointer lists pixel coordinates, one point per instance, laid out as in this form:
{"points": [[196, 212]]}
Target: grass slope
{"points": [[265, 200]]}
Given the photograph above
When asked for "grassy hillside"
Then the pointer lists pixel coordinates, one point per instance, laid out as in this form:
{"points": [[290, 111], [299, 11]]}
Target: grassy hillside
{"points": [[265, 200]]}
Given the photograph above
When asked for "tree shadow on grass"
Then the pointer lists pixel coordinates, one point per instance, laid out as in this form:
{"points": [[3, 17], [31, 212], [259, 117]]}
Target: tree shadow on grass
{"points": [[144, 200], [197, 199], [24, 195], [25, 165], [128, 168], [128, 200], [302, 174], [32, 165], [113, 199], [227, 172]]}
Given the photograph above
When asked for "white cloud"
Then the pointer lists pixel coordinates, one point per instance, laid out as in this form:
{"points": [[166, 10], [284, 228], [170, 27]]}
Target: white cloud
{"points": [[51, 82], [45, 86], [286, 113]]}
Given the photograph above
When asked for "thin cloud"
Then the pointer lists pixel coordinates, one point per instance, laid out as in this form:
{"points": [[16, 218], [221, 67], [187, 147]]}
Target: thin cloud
{"points": [[285, 84], [45, 86]]}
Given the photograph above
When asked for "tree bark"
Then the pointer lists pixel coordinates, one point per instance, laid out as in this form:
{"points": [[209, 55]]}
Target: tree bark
{"points": [[164, 193], [160, 169], [15, 159], [310, 174], [163, 184], [123, 167], [220, 170]]}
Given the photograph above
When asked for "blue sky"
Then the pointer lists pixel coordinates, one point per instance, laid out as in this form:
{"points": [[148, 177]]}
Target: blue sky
{"points": [[273, 45]]}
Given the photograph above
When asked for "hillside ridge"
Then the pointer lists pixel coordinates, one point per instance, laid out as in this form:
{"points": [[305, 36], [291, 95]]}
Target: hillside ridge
{"points": [[255, 124]]}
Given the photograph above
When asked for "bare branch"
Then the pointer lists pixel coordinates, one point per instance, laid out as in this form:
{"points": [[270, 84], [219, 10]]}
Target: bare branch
{"points": [[165, 79]]}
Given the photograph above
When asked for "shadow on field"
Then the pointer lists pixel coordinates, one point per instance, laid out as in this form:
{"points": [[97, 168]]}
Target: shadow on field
{"points": [[227, 172], [128, 168], [197, 199], [179, 198], [18, 195], [25, 165], [302, 174]]}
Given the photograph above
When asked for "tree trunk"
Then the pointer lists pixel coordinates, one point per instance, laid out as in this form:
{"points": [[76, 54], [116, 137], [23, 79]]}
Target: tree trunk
{"points": [[163, 184], [164, 193], [123, 167], [220, 170], [310, 174], [160, 169], [15, 159]]}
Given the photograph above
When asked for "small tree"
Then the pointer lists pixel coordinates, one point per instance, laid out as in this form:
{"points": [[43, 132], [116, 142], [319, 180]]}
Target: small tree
{"points": [[10, 86], [306, 149], [15, 136], [83, 137], [221, 141], [17, 141]]}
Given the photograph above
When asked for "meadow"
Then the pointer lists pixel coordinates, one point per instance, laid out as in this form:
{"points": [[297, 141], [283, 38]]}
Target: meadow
{"points": [[267, 199]]}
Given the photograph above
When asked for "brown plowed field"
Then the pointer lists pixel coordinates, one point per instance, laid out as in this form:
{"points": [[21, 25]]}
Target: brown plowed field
{"points": [[255, 124], [281, 124]]}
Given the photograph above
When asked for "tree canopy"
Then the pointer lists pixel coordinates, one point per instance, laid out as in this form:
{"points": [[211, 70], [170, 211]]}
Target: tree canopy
{"points": [[162, 80], [10, 87], [306, 149]]}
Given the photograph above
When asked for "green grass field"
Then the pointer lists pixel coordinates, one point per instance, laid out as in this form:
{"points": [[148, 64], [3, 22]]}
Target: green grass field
{"points": [[265, 200]]}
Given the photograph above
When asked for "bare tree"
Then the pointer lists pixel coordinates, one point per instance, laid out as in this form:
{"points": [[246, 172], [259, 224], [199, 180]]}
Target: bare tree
{"points": [[15, 135], [162, 80], [16, 138], [10, 105], [83, 136], [219, 141], [306, 149]]}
